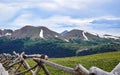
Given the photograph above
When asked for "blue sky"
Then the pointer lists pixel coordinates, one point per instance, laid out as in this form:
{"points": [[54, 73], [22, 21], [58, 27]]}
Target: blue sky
{"points": [[98, 16]]}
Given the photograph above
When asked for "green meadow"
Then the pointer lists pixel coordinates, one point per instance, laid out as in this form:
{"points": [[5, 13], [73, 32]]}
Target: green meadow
{"points": [[105, 61]]}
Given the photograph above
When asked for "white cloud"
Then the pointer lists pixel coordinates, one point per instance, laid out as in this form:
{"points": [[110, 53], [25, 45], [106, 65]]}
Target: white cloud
{"points": [[56, 21], [109, 18], [48, 6], [6, 12], [56, 4], [9, 9], [80, 4]]}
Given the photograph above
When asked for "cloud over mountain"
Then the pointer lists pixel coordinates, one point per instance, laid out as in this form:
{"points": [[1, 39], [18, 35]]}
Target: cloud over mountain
{"points": [[59, 15]]}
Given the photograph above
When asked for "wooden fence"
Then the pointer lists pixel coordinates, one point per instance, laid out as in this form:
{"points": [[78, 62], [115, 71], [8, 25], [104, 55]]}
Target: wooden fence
{"points": [[9, 62]]}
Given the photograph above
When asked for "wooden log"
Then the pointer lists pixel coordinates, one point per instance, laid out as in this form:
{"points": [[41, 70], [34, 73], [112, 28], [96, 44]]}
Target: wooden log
{"points": [[6, 62], [13, 64], [3, 60], [18, 67], [45, 69], [35, 56], [26, 64], [116, 70], [37, 70], [64, 68], [23, 72], [97, 71], [17, 54], [17, 59], [81, 70]]}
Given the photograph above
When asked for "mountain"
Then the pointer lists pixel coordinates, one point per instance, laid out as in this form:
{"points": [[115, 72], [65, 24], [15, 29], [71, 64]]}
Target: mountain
{"points": [[110, 36], [34, 33], [64, 32], [80, 34], [6, 32], [45, 33], [34, 40]]}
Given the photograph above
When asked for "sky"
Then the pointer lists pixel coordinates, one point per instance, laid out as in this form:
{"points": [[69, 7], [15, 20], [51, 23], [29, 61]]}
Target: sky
{"points": [[97, 16]]}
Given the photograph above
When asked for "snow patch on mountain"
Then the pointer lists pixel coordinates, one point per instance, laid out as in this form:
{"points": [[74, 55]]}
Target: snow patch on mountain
{"points": [[2, 29], [66, 40], [83, 33], [56, 36], [93, 33], [109, 36], [41, 34], [8, 34]]}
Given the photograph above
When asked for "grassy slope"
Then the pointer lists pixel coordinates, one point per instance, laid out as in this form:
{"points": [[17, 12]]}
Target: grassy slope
{"points": [[105, 61]]}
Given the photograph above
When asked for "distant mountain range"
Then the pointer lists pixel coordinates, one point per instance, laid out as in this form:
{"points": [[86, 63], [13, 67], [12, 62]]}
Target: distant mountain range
{"points": [[45, 33], [34, 40]]}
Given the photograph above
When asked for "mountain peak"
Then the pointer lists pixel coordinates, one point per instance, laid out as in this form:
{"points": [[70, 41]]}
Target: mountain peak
{"points": [[42, 32], [32, 32], [27, 26], [80, 34]]}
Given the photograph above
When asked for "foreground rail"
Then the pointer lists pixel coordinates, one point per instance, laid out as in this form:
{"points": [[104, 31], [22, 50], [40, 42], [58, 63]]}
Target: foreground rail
{"points": [[17, 61]]}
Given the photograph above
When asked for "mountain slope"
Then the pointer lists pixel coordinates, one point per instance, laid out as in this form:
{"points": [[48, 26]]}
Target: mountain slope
{"points": [[74, 34], [80, 34], [34, 33], [110, 36], [42, 40], [45, 33], [6, 32]]}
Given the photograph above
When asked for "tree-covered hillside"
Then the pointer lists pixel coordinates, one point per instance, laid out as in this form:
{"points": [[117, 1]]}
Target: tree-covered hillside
{"points": [[55, 47]]}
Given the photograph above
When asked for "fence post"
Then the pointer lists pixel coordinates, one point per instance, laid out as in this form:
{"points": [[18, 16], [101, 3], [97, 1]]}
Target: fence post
{"points": [[81, 70], [37, 70]]}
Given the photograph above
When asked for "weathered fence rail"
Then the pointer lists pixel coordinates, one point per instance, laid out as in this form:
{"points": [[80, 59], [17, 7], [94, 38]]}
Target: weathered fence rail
{"points": [[9, 62]]}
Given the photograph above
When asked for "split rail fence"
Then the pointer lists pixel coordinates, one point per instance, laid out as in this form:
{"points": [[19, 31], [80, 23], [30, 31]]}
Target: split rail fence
{"points": [[9, 62]]}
